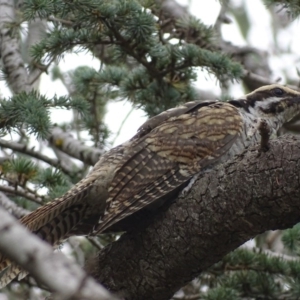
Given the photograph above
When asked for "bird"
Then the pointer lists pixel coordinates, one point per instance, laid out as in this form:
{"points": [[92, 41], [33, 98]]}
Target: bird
{"points": [[166, 154]]}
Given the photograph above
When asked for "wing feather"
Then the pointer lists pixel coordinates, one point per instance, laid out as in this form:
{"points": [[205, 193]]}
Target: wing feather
{"points": [[153, 191], [169, 156]]}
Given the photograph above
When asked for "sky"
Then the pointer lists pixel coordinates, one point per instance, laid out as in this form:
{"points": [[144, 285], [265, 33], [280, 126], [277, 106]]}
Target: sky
{"points": [[260, 36]]}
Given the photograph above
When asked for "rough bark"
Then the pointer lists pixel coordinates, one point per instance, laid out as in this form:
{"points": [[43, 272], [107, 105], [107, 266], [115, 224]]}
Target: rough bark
{"points": [[225, 208]]}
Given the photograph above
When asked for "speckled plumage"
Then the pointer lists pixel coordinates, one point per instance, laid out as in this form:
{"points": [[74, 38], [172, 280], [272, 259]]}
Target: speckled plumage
{"points": [[165, 154]]}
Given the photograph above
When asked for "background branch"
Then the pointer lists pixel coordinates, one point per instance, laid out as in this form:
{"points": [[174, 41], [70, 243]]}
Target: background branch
{"points": [[13, 63], [22, 148], [19, 191], [54, 270], [12, 207], [65, 142]]}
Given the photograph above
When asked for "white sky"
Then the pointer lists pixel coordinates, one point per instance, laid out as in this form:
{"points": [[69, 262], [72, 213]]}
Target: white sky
{"points": [[260, 36]]}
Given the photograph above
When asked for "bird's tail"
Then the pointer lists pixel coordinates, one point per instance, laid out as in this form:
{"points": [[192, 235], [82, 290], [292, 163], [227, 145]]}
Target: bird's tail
{"points": [[52, 223]]}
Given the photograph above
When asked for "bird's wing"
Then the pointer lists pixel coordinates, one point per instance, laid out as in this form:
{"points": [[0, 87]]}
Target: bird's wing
{"points": [[168, 156]]}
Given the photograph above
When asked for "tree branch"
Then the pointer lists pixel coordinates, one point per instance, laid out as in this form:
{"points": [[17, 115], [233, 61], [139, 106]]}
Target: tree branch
{"points": [[12, 207], [22, 148], [225, 208], [257, 71], [36, 31], [65, 142], [17, 76], [54, 270], [19, 191]]}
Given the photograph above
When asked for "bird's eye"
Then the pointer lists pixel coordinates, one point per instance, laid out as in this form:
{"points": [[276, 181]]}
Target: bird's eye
{"points": [[278, 92]]}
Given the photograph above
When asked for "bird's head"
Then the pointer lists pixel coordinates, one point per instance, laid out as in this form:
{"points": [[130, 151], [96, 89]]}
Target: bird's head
{"points": [[272, 101]]}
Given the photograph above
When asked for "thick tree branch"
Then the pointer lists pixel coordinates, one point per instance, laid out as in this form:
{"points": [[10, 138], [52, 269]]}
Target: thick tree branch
{"points": [[12, 207], [225, 208], [36, 31], [17, 76], [54, 270]]}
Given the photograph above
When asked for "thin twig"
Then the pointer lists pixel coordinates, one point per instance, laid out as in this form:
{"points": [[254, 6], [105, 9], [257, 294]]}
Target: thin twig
{"points": [[188, 297], [263, 80], [25, 150], [40, 71], [21, 192], [59, 20], [122, 124]]}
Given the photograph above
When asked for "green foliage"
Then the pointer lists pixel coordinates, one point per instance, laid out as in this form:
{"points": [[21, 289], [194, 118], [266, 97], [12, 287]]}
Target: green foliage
{"points": [[159, 65], [252, 274], [51, 178], [87, 87], [57, 191], [31, 111], [24, 203], [221, 293], [45, 8], [291, 239], [194, 31], [19, 169]]}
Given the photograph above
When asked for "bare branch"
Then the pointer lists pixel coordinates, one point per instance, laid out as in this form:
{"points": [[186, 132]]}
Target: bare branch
{"points": [[38, 155], [259, 81], [65, 142], [36, 31], [66, 279], [18, 191], [66, 161], [12, 207]]}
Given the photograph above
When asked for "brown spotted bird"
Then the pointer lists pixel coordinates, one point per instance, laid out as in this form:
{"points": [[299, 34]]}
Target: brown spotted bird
{"points": [[164, 155]]}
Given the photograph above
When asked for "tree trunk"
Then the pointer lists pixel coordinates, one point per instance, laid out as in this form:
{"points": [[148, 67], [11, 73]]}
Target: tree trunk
{"points": [[225, 208]]}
